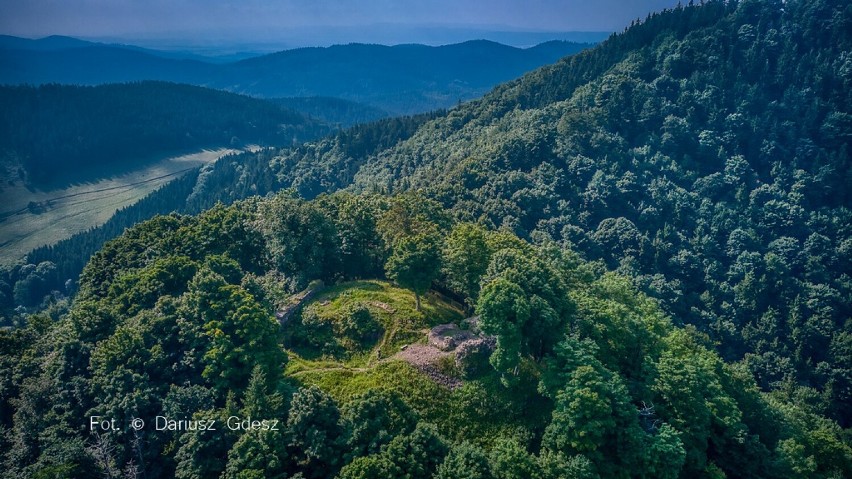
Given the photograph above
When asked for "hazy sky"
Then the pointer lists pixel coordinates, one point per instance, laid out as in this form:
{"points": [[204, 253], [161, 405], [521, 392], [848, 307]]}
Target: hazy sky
{"points": [[271, 20]]}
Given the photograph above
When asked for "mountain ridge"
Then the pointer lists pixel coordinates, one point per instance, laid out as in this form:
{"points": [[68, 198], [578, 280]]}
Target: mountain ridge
{"points": [[399, 79]]}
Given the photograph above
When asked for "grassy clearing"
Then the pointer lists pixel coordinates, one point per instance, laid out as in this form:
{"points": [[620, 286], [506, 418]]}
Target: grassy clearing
{"points": [[389, 303], [393, 308], [479, 411], [61, 213]]}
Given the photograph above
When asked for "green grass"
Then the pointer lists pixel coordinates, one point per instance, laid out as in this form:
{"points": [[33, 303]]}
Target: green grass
{"points": [[401, 301], [421, 393], [391, 306], [479, 411], [394, 309], [298, 364]]}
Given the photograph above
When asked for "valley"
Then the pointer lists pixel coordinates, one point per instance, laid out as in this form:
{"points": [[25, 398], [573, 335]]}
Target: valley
{"points": [[30, 218]]}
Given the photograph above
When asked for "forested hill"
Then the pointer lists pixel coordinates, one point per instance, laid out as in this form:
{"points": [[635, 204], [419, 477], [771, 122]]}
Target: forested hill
{"points": [[51, 271], [567, 372], [401, 79], [703, 155], [704, 152], [60, 133], [334, 111]]}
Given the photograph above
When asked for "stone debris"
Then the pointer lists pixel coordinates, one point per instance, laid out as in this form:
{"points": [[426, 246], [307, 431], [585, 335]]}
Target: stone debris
{"points": [[447, 337], [425, 358], [472, 324], [470, 351], [421, 354]]}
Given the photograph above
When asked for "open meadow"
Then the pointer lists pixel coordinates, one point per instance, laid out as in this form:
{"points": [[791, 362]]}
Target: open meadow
{"points": [[30, 218]]}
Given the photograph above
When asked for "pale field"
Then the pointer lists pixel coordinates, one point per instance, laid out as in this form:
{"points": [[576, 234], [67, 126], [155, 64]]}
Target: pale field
{"points": [[64, 212]]}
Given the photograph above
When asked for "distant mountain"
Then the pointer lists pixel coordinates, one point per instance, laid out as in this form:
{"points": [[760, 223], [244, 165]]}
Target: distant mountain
{"points": [[95, 65], [400, 79], [59, 43], [53, 42], [397, 79]]}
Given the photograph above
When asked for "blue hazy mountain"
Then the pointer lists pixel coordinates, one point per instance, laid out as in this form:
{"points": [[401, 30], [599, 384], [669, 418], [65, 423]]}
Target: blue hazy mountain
{"points": [[63, 43], [53, 42], [396, 79]]}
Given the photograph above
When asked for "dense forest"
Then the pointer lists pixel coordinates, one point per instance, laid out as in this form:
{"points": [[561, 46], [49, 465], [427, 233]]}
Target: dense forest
{"points": [[333, 111], [577, 373], [705, 153], [655, 235], [63, 133]]}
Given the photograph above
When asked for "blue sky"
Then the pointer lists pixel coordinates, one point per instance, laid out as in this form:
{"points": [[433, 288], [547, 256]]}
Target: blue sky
{"points": [[285, 20]]}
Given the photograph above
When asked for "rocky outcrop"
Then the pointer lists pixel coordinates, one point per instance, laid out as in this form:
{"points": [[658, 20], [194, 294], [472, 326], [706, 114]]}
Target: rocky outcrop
{"points": [[447, 337], [467, 348], [426, 358]]}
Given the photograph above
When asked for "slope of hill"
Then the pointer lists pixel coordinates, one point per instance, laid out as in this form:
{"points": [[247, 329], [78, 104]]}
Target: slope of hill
{"points": [[231, 178], [31, 218], [190, 320], [402, 79], [333, 111], [704, 152]]}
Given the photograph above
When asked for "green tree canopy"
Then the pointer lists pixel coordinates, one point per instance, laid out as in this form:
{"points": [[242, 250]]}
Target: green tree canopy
{"points": [[415, 261]]}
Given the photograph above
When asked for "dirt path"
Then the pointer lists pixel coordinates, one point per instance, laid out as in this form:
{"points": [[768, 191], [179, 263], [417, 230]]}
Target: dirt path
{"points": [[326, 369]]}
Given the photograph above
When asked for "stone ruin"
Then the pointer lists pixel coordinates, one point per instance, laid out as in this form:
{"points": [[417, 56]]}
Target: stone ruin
{"points": [[447, 337], [472, 356], [472, 348]]}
